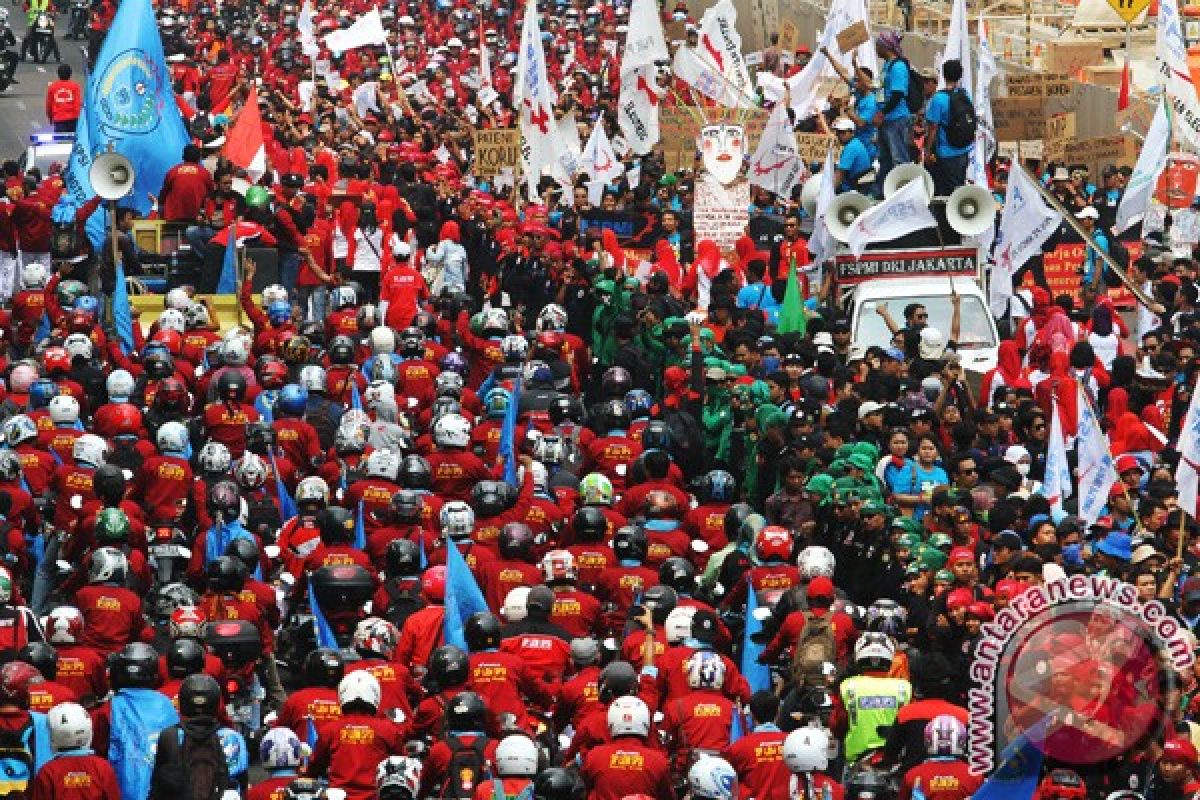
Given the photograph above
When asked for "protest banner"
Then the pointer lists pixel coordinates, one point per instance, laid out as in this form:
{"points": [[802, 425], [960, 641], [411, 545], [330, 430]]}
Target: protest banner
{"points": [[812, 146], [721, 213], [1101, 151], [1019, 118], [852, 36], [495, 150], [1062, 266], [629, 226]]}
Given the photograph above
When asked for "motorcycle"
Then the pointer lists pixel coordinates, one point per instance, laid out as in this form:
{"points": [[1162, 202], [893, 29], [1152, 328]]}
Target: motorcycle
{"points": [[42, 33], [8, 53], [239, 646], [77, 21]]}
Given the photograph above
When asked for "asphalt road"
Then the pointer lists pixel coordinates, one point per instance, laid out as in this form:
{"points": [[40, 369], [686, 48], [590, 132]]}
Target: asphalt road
{"points": [[22, 106]]}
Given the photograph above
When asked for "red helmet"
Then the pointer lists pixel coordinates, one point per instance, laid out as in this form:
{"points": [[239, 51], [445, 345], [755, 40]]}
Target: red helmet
{"points": [[273, 374], [15, 679], [773, 543], [171, 395], [81, 321], [551, 340], [433, 584], [959, 598], [1180, 750], [56, 359], [1062, 784], [170, 338], [127, 421]]}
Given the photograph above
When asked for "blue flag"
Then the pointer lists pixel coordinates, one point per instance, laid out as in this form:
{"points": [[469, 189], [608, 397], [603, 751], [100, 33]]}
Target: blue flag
{"points": [[360, 528], [227, 284], [1018, 768], [287, 506], [311, 732], [508, 434], [421, 546], [325, 637], [121, 312], [128, 103], [355, 397], [463, 597], [756, 674], [736, 730]]}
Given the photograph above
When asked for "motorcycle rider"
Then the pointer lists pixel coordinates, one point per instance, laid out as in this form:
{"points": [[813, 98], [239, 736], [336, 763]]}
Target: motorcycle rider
{"points": [[350, 747], [806, 754], [75, 772], [628, 764], [944, 775], [317, 701], [281, 753]]}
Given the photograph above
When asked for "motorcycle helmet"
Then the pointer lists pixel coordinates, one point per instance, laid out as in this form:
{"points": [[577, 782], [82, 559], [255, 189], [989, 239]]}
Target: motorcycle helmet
{"points": [[199, 695], [466, 712], [482, 631], [18, 430], [816, 561], [135, 666], [874, 652], [705, 670], [589, 524], [630, 544], [225, 575], [806, 750], [616, 383], [281, 749], [376, 637], [324, 667], [108, 565], [516, 757], [433, 584], [596, 490], [945, 735], [456, 520], [224, 504], [449, 666], [359, 687], [712, 778], [185, 657], [398, 778], [558, 783], [402, 558], [64, 625], [628, 716], [112, 526], [42, 656], [70, 727], [172, 439]]}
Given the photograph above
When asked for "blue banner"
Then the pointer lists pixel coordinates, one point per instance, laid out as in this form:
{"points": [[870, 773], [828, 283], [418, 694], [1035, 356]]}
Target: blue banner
{"points": [[756, 674], [463, 597], [287, 505], [508, 434], [360, 528], [325, 637], [1019, 767], [121, 312], [227, 284]]}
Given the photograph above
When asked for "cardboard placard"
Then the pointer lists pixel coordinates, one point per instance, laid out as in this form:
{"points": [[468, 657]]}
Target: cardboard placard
{"points": [[813, 146], [1038, 85], [1019, 118], [1060, 130], [675, 31], [495, 150], [1102, 151], [789, 36], [851, 37], [1071, 56]]}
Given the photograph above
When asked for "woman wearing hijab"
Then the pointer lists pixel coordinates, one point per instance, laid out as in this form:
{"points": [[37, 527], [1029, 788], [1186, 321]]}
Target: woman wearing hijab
{"points": [[1009, 373], [1060, 388]]}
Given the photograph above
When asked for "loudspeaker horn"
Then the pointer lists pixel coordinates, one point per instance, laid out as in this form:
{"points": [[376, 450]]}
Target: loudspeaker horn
{"points": [[846, 208], [970, 210], [808, 195], [905, 174], [111, 175]]}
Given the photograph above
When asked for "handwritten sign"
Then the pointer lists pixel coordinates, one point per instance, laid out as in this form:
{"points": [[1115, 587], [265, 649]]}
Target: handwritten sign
{"points": [[496, 150], [1060, 130], [812, 146], [1019, 118], [789, 36], [1102, 151], [1038, 85], [721, 213], [852, 36]]}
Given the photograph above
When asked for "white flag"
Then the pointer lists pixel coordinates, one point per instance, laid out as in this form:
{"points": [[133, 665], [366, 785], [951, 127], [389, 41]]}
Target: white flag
{"points": [[637, 109], [776, 165], [807, 88], [485, 60], [534, 99], [907, 210], [958, 44], [366, 30], [644, 43], [1176, 79], [308, 36], [1056, 486], [599, 160], [1150, 164], [1187, 474], [1025, 224], [364, 98], [822, 244], [985, 137], [1097, 473], [716, 67]]}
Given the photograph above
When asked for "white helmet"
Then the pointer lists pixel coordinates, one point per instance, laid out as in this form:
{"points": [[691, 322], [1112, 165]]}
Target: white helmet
{"points": [[34, 276], [705, 670], [452, 430], [552, 318], [172, 437], [108, 564], [281, 749], [235, 352], [456, 519], [19, 429], [64, 410], [312, 490], [815, 561], [272, 293], [90, 449], [516, 757], [196, 316], [215, 458], [514, 346], [383, 340], [628, 716], [514, 609], [187, 622], [495, 320], [172, 320], [251, 471], [383, 464], [119, 385], [177, 299], [355, 417], [400, 772], [378, 392], [712, 778], [78, 344], [540, 476], [678, 625], [874, 651], [359, 686], [70, 727], [63, 625], [312, 377], [806, 750]]}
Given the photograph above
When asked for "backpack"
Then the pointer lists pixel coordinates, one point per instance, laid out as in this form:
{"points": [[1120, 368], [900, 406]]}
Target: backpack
{"points": [[190, 768], [916, 88], [16, 762], [960, 129], [814, 647], [262, 514], [687, 442], [1119, 254], [466, 769]]}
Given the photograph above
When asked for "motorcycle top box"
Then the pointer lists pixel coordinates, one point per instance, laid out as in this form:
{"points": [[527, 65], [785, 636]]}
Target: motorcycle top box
{"points": [[342, 588], [236, 642]]}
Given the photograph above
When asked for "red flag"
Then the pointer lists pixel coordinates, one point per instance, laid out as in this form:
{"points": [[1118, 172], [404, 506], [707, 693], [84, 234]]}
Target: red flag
{"points": [[1123, 95], [244, 143]]}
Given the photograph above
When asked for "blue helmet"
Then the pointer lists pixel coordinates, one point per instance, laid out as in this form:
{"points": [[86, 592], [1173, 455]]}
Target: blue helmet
{"points": [[292, 400], [638, 403], [41, 391], [154, 347], [720, 486], [279, 312], [87, 303], [496, 402]]}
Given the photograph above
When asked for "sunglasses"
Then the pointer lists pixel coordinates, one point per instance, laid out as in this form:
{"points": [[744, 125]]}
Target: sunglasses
{"points": [[921, 316], [1039, 427]]}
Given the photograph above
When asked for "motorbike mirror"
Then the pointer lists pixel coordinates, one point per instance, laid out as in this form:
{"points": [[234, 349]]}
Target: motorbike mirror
{"points": [[272, 551], [762, 613], [699, 546]]}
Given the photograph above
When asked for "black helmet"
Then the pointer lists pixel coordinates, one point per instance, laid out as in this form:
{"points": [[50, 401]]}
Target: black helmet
{"points": [[449, 666], [226, 574], [564, 407], [341, 350], [866, 784], [615, 415], [630, 544], [558, 783], [734, 518], [403, 558], [516, 541], [466, 712], [489, 499], [223, 499], [246, 551], [324, 667], [539, 602], [482, 631], [199, 696], [231, 386], [656, 436], [160, 365], [185, 657], [406, 507], [618, 679], [108, 483], [415, 473], [615, 383], [336, 524], [659, 601], [590, 524], [135, 666], [259, 437], [42, 657], [679, 574], [426, 322]]}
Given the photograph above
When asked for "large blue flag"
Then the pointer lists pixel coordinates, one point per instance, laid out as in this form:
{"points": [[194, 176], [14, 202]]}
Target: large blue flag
{"points": [[756, 674], [121, 312], [325, 637], [227, 284], [129, 104], [463, 597], [508, 434], [1019, 767], [738, 729]]}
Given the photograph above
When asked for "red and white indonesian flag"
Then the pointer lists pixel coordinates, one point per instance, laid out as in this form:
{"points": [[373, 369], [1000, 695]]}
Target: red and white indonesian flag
{"points": [[599, 160], [1187, 474], [244, 145], [637, 106], [534, 98], [716, 67], [776, 165], [907, 210], [367, 30]]}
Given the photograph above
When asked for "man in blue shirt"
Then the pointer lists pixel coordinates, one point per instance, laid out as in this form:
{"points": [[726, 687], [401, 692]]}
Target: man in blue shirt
{"points": [[855, 161], [894, 118], [862, 106], [947, 164]]}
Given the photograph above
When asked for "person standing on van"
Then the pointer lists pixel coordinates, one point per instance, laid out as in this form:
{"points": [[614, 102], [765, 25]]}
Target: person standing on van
{"points": [[901, 88], [950, 117]]}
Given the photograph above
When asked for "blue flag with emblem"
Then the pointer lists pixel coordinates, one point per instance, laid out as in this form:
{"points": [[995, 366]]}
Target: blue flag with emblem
{"points": [[227, 284], [128, 105], [360, 528], [325, 637], [508, 434], [122, 314], [311, 734], [756, 674], [1018, 768], [463, 597], [737, 729]]}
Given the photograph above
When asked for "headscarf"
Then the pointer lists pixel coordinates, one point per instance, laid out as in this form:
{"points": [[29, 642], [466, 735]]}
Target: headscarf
{"points": [[1117, 404], [1132, 435], [890, 40], [708, 257], [1060, 388], [1008, 365], [450, 231], [666, 263]]}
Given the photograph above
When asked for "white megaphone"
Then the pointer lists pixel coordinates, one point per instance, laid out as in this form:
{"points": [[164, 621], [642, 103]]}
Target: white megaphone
{"points": [[846, 208], [111, 176], [809, 193], [971, 210], [905, 174]]}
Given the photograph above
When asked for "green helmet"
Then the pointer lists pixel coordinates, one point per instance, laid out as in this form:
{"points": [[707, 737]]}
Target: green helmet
{"points": [[112, 525], [910, 541], [944, 576], [941, 541], [69, 292], [929, 557], [476, 323], [257, 197]]}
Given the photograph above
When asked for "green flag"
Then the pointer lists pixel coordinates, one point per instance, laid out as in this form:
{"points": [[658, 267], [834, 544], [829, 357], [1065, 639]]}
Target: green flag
{"points": [[792, 317]]}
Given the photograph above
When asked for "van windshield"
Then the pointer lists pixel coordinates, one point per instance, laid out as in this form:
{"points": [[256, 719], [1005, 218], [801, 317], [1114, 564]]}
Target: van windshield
{"points": [[975, 326]]}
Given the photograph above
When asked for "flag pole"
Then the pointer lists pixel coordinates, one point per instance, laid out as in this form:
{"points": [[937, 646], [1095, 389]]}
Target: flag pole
{"points": [[239, 270]]}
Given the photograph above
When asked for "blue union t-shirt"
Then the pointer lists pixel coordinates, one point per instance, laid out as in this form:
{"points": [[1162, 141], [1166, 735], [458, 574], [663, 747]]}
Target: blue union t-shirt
{"points": [[938, 113], [895, 79]]}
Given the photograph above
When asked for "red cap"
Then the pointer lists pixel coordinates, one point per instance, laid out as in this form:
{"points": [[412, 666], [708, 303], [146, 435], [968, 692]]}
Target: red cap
{"points": [[820, 586], [1180, 750], [959, 598], [1126, 463], [962, 554]]}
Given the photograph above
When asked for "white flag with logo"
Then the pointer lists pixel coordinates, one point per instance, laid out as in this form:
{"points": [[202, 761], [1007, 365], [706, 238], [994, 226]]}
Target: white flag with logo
{"points": [[637, 105], [822, 244], [1056, 487], [1187, 474], [776, 165], [367, 30], [904, 212], [308, 36], [807, 89], [1175, 77], [958, 45], [1150, 164], [716, 67], [599, 160], [534, 99], [1026, 222], [1096, 471]]}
